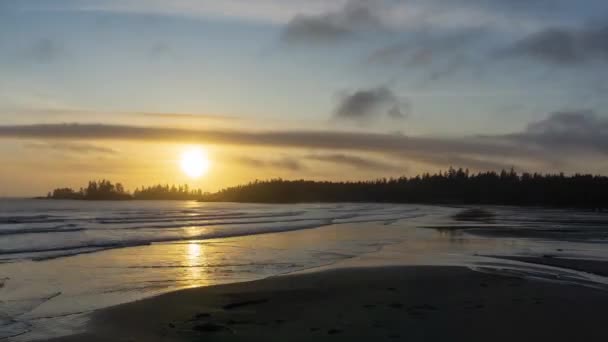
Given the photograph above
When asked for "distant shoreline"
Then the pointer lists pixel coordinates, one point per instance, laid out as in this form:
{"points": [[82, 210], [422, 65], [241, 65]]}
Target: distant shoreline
{"points": [[452, 187]]}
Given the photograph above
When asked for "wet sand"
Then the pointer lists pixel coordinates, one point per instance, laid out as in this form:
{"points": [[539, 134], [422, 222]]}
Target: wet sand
{"points": [[598, 267], [363, 304]]}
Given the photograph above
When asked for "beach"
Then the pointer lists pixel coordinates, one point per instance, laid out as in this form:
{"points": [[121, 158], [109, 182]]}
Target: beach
{"points": [[292, 170], [188, 271], [363, 304]]}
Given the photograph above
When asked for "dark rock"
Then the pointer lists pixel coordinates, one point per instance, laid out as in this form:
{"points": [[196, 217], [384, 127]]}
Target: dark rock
{"points": [[211, 327]]}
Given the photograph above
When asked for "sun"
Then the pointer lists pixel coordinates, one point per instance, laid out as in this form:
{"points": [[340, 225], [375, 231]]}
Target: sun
{"points": [[194, 162]]}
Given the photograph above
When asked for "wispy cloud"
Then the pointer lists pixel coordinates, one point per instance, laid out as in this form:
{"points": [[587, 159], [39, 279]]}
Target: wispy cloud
{"points": [[285, 163], [542, 142], [71, 147], [441, 53], [299, 162], [190, 116], [273, 11], [356, 162]]}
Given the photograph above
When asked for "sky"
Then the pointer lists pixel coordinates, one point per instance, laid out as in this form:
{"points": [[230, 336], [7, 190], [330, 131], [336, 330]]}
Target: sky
{"points": [[324, 90]]}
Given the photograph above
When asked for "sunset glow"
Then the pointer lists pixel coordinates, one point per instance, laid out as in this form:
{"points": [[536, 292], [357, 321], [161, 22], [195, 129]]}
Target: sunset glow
{"points": [[194, 162]]}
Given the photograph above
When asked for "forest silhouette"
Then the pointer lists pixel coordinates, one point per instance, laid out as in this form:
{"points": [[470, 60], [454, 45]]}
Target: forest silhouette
{"points": [[454, 186], [106, 190]]}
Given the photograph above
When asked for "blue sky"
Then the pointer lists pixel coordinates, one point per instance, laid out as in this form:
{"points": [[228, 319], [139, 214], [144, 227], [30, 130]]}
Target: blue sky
{"points": [[425, 69]]}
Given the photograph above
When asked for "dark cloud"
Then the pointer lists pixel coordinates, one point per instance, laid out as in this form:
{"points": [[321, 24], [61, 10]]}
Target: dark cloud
{"points": [[359, 17], [71, 147], [564, 46], [583, 134], [583, 122], [281, 163], [367, 104], [355, 17], [581, 131], [337, 140], [437, 39], [412, 41], [354, 161]]}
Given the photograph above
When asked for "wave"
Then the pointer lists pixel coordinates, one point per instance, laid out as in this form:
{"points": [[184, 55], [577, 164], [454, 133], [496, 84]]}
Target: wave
{"points": [[60, 229], [190, 218], [189, 222], [238, 221], [90, 229], [31, 219], [60, 251]]}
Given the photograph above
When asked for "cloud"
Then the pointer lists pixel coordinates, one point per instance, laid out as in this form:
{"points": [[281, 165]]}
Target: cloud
{"points": [[367, 104], [583, 134], [581, 131], [354, 161], [71, 147], [435, 39], [372, 142], [582, 122], [358, 18], [267, 11], [355, 17], [282, 163], [189, 116], [439, 53], [281, 11], [564, 46]]}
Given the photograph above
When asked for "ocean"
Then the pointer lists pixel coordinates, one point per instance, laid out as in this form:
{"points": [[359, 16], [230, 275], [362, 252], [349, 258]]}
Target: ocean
{"points": [[61, 260]]}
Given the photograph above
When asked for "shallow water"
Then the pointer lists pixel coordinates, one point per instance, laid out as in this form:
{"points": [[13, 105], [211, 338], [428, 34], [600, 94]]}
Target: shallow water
{"points": [[63, 259]]}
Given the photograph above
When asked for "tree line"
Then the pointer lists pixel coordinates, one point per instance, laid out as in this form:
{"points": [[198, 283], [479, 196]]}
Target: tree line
{"points": [[454, 186], [106, 190]]}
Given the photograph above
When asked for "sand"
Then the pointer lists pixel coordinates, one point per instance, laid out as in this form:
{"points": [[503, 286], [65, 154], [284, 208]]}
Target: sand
{"points": [[363, 304], [598, 267]]}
